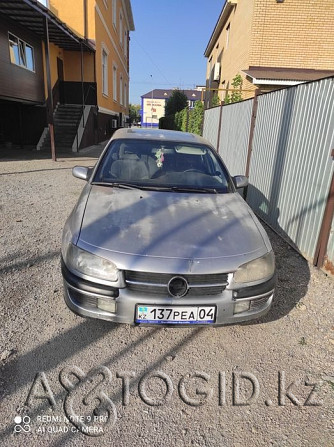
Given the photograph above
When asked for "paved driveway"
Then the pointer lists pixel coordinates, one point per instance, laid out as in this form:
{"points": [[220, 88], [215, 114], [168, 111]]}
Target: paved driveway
{"points": [[270, 383]]}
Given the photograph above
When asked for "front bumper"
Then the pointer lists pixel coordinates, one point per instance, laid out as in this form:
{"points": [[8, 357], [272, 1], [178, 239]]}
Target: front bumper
{"points": [[89, 299]]}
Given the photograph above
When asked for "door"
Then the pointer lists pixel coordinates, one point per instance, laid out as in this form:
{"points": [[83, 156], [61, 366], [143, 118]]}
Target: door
{"points": [[60, 72]]}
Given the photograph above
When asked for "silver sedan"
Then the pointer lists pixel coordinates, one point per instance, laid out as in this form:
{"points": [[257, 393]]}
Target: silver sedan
{"points": [[160, 235]]}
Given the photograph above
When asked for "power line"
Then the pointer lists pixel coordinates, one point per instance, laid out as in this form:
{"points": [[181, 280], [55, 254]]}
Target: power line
{"points": [[162, 84], [152, 61]]}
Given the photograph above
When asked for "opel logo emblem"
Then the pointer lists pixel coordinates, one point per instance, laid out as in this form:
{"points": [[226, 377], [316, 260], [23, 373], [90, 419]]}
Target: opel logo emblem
{"points": [[178, 287]]}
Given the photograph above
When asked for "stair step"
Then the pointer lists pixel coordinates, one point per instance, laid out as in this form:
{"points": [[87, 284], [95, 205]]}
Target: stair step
{"points": [[65, 129], [65, 125], [66, 122], [69, 119], [68, 114], [69, 108], [65, 134], [69, 111]]}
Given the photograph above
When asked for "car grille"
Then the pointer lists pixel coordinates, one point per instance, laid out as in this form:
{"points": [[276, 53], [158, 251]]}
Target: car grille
{"points": [[156, 283]]}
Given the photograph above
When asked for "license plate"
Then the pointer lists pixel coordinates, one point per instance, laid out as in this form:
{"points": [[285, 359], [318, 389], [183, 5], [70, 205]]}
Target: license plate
{"points": [[175, 314]]}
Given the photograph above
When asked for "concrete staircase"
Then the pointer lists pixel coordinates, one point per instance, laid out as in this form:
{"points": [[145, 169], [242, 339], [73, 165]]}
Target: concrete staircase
{"points": [[66, 121]]}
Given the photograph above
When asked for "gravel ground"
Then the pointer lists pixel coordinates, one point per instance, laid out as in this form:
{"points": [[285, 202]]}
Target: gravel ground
{"points": [[168, 386]]}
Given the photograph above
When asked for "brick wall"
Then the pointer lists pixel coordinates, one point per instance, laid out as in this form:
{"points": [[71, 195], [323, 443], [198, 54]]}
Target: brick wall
{"points": [[295, 33]]}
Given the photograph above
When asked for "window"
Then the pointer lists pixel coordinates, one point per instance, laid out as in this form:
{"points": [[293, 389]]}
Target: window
{"points": [[121, 90], [125, 43], [21, 53], [114, 82], [121, 29], [104, 72], [227, 35], [125, 95], [114, 12]]}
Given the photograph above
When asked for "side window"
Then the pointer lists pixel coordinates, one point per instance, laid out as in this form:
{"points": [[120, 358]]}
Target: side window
{"points": [[21, 53], [114, 12]]}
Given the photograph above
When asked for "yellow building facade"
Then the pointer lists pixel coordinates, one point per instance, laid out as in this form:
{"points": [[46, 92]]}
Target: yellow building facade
{"points": [[71, 61], [271, 44], [106, 24]]}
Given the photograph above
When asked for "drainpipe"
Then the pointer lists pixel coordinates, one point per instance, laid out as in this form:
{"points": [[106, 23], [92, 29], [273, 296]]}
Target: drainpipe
{"points": [[85, 19], [49, 105], [82, 86]]}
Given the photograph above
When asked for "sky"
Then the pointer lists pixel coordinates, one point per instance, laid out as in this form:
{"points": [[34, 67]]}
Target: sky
{"points": [[168, 44]]}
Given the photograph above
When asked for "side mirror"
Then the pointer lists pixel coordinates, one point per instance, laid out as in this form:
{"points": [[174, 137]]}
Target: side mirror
{"points": [[81, 172], [240, 181]]}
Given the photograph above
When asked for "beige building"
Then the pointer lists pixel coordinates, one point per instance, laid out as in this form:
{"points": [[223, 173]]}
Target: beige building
{"points": [[271, 44]]}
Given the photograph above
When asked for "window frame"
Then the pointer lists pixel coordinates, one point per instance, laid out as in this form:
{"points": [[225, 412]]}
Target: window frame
{"points": [[21, 52], [125, 95], [125, 45], [121, 89], [114, 13], [228, 30], [114, 79], [121, 28], [105, 70]]}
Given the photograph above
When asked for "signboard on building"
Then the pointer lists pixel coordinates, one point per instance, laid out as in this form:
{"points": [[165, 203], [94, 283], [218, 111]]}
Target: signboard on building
{"points": [[152, 111]]}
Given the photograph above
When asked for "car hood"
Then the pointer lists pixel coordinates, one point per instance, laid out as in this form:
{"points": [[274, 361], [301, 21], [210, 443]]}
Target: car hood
{"points": [[169, 225]]}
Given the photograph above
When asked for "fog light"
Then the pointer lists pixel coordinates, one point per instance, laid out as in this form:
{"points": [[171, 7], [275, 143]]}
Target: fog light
{"points": [[106, 304], [241, 306]]}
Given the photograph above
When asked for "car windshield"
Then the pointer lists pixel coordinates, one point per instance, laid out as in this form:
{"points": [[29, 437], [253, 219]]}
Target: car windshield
{"points": [[162, 165]]}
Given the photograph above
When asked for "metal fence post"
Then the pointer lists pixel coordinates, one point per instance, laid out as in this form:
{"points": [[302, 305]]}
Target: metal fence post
{"points": [[251, 137], [320, 252], [219, 125]]}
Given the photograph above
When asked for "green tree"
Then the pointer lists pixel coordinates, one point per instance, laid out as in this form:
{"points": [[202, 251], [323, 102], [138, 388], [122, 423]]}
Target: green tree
{"points": [[185, 120], [237, 84], [176, 102], [235, 96], [177, 121], [134, 113], [215, 100]]}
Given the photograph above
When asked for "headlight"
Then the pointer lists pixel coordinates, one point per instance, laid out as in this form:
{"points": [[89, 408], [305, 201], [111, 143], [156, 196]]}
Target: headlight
{"points": [[91, 265], [256, 270]]}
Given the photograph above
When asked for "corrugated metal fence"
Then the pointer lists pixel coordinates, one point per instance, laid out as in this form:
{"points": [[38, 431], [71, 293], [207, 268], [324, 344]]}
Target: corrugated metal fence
{"points": [[211, 125], [291, 168], [234, 133]]}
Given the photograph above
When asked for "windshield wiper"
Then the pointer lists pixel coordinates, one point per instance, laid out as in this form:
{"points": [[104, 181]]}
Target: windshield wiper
{"points": [[117, 185], [156, 187], [193, 189]]}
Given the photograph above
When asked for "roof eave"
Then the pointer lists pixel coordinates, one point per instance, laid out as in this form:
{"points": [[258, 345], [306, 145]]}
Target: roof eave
{"points": [[283, 82], [129, 14], [284, 76], [224, 15], [63, 36]]}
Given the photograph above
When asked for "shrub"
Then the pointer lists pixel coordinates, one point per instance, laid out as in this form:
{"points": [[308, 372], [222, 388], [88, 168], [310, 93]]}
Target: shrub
{"points": [[196, 117]]}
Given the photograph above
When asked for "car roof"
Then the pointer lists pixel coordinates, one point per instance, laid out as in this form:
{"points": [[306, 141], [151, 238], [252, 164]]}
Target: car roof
{"points": [[160, 135]]}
